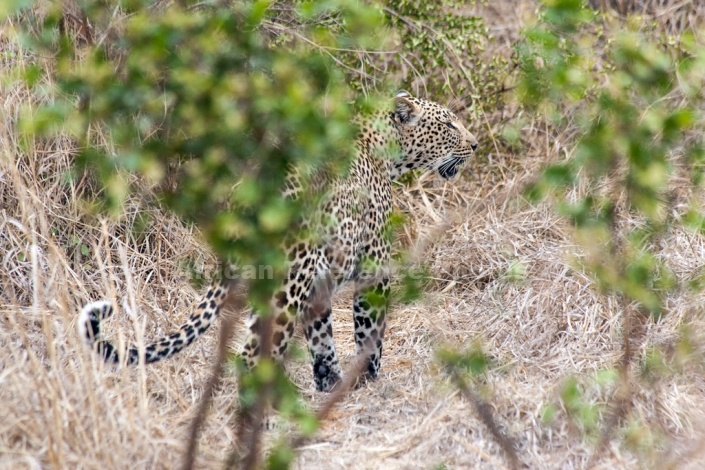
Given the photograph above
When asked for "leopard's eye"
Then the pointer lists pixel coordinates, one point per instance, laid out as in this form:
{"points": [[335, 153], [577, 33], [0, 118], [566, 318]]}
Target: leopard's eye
{"points": [[451, 125]]}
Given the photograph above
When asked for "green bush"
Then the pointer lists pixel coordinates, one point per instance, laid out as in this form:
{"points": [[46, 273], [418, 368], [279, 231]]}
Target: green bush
{"points": [[638, 122], [634, 108], [198, 103], [445, 46], [210, 108]]}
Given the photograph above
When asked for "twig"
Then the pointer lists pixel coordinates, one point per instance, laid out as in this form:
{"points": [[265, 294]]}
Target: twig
{"points": [[621, 406], [236, 302], [455, 57], [252, 431], [632, 331], [485, 414], [249, 421], [326, 50]]}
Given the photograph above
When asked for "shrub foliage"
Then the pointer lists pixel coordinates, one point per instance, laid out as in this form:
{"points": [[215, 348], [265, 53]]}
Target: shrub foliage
{"points": [[633, 106]]}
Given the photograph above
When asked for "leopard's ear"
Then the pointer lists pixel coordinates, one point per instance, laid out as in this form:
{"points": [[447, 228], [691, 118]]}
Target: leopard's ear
{"points": [[405, 110]]}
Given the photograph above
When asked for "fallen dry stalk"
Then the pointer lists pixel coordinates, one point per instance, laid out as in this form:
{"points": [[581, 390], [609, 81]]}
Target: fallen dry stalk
{"points": [[344, 386]]}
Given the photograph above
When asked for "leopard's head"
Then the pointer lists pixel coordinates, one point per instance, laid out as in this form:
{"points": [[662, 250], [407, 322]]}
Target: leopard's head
{"points": [[430, 136]]}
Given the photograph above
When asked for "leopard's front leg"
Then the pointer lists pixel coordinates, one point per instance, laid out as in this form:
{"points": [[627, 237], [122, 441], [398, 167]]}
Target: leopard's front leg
{"points": [[284, 306], [370, 305], [318, 327]]}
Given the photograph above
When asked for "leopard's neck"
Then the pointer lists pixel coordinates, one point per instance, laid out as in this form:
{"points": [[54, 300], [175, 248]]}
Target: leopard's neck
{"points": [[379, 139]]}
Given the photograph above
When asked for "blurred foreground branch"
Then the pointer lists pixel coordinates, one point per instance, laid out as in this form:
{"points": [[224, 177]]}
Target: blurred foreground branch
{"points": [[236, 303]]}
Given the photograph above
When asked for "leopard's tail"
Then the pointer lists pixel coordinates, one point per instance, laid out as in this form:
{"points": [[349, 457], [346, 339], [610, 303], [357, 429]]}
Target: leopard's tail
{"points": [[207, 311]]}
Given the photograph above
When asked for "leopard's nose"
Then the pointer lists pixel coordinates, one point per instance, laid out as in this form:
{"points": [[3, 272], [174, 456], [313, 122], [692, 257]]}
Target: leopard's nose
{"points": [[473, 147]]}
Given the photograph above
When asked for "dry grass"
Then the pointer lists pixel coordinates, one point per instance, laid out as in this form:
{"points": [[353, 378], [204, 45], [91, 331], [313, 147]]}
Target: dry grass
{"points": [[504, 279]]}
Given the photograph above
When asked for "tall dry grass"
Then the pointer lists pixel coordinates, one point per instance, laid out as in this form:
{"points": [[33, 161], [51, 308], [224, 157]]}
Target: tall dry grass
{"points": [[505, 275]]}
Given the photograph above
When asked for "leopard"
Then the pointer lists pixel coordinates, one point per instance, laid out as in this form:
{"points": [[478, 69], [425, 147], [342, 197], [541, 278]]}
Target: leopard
{"points": [[410, 134]]}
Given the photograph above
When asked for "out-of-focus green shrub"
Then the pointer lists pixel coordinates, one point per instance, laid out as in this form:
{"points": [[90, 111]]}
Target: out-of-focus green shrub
{"points": [[634, 112]]}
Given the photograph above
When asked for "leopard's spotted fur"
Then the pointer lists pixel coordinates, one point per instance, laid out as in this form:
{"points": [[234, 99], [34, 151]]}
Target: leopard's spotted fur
{"points": [[415, 134]]}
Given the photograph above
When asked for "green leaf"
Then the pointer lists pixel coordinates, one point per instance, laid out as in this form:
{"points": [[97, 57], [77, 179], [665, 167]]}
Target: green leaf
{"points": [[280, 458], [275, 217], [561, 174], [474, 361], [571, 394]]}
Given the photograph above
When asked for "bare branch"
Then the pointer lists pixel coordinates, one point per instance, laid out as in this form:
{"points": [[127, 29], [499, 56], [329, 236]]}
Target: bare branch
{"points": [[236, 302], [484, 412]]}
